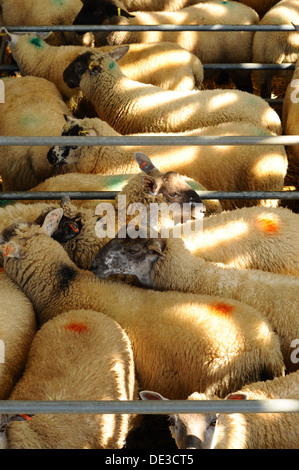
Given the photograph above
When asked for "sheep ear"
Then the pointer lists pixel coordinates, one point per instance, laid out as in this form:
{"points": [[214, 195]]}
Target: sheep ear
{"points": [[69, 118], [237, 396], [10, 250], [52, 220], [156, 246], [144, 162], [149, 395], [119, 52], [151, 185]]}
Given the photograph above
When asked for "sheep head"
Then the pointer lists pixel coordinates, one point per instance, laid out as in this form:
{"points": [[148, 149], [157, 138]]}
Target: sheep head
{"points": [[103, 12], [196, 430], [5, 420], [93, 64], [171, 185], [59, 155], [13, 238], [132, 256]]}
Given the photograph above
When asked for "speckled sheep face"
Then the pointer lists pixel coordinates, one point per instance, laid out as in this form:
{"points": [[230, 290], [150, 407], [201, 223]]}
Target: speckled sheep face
{"points": [[128, 256], [59, 155]]}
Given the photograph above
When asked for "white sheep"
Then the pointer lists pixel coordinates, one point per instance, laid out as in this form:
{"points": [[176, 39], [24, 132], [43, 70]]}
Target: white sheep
{"points": [[249, 238], [165, 264], [79, 355], [209, 47], [217, 168], [166, 65], [132, 107], [275, 47], [211, 349], [33, 107], [47, 12], [17, 329], [237, 430]]}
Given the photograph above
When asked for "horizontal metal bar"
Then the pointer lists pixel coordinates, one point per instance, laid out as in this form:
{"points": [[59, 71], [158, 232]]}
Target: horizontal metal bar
{"points": [[151, 407], [149, 140], [241, 66], [161, 27], [57, 195]]}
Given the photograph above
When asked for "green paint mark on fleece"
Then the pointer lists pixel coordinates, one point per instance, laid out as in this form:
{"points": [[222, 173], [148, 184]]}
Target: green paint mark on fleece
{"points": [[111, 65], [30, 120], [116, 182], [37, 42], [58, 3]]}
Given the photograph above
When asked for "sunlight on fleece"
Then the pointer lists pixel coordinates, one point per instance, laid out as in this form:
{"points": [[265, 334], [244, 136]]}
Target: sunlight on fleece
{"points": [[221, 100], [212, 237]]}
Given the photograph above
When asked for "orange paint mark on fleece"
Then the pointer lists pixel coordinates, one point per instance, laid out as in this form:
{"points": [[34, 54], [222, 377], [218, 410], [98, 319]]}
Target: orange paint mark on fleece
{"points": [[268, 224], [76, 327], [1, 270], [222, 308]]}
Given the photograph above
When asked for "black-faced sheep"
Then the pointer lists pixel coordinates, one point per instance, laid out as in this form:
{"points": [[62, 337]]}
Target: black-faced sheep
{"points": [[226, 168], [239, 431], [214, 346], [165, 264], [148, 63], [79, 355], [132, 107], [209, 47]]}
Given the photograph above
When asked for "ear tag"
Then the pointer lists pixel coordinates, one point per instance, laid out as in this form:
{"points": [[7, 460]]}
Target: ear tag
{"points": [[142, 165], [119, 12], [91, 66], [9, 250], [74, 228], [82, 132]]}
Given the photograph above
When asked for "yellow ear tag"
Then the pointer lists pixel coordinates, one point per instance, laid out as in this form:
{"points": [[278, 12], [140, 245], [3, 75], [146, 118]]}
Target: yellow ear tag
{"points": [[82, 132], [119, 12], [91, 66]]}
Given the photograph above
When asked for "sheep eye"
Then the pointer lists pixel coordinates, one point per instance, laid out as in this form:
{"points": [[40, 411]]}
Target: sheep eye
{"points": [[213, 422], [173, 194], [172, 421]]}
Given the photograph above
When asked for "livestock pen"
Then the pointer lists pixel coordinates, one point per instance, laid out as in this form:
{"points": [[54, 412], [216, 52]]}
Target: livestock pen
{"points": [[289, 197]]}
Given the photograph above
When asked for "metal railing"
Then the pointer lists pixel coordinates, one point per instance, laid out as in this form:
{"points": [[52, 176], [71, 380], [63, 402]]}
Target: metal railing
{"points": [[169, 406]]}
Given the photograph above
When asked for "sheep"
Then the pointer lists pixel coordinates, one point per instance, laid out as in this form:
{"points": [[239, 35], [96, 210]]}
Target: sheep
{"points": [[17, 329], [33, 107], [211, 349], [209, 47], [249, 238], [275, 47], [165, 264], [239, 431], [131, 107], [260, 7], [148, 63], [48, 12], [226, 168], [157, 186], [78, 355], [289, 114]]}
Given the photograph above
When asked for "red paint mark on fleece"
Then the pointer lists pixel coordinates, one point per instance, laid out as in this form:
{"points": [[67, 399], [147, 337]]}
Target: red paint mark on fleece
{"points": [[268, 224], [76, 327], [1, 270], [222, 308]]}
